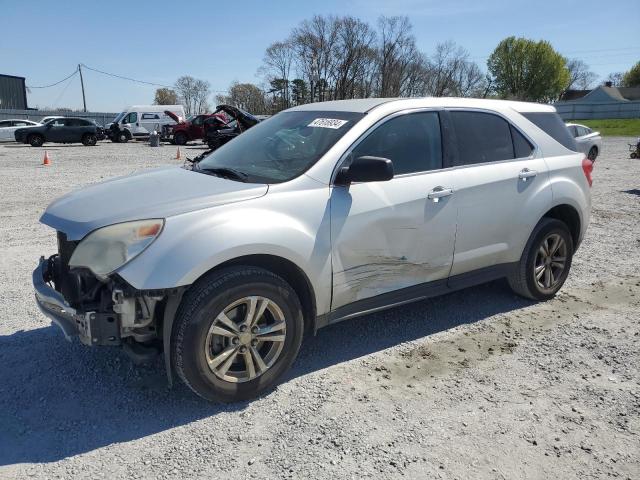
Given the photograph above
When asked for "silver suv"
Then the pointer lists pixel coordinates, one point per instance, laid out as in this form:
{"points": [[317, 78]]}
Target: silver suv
{"points": [[321, 213]]}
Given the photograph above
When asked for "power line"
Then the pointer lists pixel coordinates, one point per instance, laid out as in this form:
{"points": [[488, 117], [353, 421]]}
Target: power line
{"points": [[55, 104], [122, 77], [58, 82]]}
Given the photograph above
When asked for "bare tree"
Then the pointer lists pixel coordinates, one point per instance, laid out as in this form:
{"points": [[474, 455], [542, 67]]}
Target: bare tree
{"points": [[615, 78], [193, 94], [451, 73], [353, 50], [245, 96], [313, 42], [165, 96], [580, 77], [397, 55], [277, 61]]}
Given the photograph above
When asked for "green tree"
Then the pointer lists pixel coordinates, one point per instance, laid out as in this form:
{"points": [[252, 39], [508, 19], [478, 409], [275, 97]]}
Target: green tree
{"points": [[299, 91], [632, 77], [526, 70], [165, 96]]}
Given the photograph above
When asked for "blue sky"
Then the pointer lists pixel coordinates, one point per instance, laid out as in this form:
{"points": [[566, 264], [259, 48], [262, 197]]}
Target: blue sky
{"points": [[223, 41]]}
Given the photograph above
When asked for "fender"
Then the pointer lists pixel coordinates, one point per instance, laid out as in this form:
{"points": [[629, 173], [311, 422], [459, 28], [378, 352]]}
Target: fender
{"points": [[193, 243]]}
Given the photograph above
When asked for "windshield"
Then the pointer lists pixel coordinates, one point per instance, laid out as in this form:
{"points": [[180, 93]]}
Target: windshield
{"points": [[282, 147], [119, 117]]}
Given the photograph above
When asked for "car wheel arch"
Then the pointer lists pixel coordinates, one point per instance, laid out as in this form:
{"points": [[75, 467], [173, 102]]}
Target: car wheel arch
{"points": [[284, 268], [570, 216]]}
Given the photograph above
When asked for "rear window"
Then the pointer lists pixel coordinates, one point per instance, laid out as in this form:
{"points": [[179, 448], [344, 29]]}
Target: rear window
{"points": [[553, 126]]}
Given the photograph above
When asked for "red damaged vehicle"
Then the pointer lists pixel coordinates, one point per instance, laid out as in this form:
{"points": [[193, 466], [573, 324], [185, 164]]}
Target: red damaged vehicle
{"points": [[189, 130]]}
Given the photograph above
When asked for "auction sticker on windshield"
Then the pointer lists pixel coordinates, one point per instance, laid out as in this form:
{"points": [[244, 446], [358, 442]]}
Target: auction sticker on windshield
{"points": [[328, 123]]}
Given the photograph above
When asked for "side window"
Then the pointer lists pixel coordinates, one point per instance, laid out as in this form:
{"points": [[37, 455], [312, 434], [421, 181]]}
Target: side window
{"points": [[5, 124], [150, 116], [521, 145], [20, 124], [58, 122], [198, 120], [582, 131], [72, 122], [482, 137], [131, 118], [412, 142], [573, 130]]}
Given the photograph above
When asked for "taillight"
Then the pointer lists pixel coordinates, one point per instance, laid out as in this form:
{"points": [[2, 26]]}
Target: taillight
{"points": [[587, 168]]}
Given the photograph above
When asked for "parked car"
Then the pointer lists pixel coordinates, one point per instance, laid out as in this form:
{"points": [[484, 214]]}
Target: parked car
{"points": [[8, 127], [217, 131], [186, 131], [138, 121], [587, 141], [325, 212], [61, 130]]}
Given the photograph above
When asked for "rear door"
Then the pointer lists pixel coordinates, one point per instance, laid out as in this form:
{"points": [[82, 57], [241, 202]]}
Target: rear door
{"points": [[500, 183]]}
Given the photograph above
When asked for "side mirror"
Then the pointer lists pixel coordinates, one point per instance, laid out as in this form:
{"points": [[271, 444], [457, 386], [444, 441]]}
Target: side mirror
{"points": [[366, 169]]}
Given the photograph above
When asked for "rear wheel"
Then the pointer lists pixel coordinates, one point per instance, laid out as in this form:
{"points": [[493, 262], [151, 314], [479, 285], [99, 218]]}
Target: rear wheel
{"points": [[36, 140], [180, 138], [236, 332], [89, 140], [593, 154], [545, 262]]}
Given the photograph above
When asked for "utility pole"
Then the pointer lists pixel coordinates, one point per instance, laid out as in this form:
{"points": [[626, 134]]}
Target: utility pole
{"points": [[84, 101]]}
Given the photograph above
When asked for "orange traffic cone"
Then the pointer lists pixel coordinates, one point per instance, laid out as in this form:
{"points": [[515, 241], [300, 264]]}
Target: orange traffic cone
{"points": [[46, 161], [178, 154]]}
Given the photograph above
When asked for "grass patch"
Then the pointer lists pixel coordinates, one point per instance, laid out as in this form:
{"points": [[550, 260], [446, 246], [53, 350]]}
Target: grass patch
{"points": [[614, 127]]}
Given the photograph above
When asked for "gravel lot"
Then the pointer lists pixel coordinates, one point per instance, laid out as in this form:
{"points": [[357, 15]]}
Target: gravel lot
{"points": [[477, 384]]}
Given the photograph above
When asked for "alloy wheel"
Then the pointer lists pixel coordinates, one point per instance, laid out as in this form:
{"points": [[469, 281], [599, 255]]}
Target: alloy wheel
{"points": [[550, 262], [245, 339]]}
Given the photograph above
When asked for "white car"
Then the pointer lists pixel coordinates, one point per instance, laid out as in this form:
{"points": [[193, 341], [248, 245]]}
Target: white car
{"points": [[321, 213], [587, 141], [7, 127]]}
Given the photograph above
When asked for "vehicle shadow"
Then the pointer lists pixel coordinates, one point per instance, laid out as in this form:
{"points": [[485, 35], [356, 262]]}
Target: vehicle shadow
{"points": [[59, 399]]}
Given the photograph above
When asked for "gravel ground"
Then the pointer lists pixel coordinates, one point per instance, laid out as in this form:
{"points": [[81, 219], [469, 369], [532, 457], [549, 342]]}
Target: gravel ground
{"points": [[476, 384]]}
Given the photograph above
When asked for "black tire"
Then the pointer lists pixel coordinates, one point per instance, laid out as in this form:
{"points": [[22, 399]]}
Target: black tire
{"points": [[593, 154], [36, 140], [121, 137], [89, 139], [198, 310], [523, 279], [180, 138], [633, 155]]}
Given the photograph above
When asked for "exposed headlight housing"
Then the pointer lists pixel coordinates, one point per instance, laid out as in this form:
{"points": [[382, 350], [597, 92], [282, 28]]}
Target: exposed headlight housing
{"points": [[108, 248]]}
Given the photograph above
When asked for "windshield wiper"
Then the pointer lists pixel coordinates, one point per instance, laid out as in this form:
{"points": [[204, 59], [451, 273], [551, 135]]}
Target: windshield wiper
{"points": [[223, 172]]}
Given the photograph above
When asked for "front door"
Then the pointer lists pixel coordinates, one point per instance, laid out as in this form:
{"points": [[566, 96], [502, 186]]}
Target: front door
{"points": [[56, 130], [387, 236], [501, 186]]}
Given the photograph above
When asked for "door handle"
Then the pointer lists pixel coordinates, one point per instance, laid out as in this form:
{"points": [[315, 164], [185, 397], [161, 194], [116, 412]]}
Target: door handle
{"points": [[526, 173], [439, 192]]}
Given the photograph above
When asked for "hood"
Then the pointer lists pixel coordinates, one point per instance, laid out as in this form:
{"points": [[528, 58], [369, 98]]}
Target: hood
{"points": [[174, 117], [157, 193], [245, 119]]}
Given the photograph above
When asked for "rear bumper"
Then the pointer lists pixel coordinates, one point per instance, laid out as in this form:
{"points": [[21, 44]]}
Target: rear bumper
{"points": [[52, 304]]}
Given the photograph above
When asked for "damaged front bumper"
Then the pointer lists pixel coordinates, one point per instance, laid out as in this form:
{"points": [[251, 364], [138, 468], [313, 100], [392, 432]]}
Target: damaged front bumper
{"points": [[91, 328]]}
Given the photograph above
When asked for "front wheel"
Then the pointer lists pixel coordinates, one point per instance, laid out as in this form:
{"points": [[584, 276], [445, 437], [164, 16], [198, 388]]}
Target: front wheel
{"points": [[180, 138], [89, 140], [545, 262], [236, 333]]}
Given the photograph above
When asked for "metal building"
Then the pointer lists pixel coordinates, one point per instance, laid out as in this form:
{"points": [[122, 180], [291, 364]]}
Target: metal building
{"points": [[13, 93]]}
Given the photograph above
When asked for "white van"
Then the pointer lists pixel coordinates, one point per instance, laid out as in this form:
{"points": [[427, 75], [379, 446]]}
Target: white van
{"points": [[138, 121]]}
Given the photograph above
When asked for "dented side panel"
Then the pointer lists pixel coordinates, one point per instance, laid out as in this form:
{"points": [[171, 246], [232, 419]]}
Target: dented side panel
{"points": [[388, 235]]}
